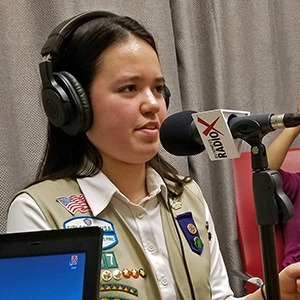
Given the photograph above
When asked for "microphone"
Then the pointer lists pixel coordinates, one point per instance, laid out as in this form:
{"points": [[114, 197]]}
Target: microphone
{"points": [[284, 120], [179, 134], [182, 134], [218, 131], [267, 122]]}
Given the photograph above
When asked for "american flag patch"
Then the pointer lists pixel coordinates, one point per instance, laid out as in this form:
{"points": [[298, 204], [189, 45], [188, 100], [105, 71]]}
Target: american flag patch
{"points": [[74, 203]]}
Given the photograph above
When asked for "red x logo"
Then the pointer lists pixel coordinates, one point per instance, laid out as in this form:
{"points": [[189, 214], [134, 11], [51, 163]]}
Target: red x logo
{"points": [[209, 127]]}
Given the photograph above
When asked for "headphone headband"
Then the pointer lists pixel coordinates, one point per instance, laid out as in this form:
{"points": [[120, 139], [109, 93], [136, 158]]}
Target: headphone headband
{"points": [[64, 29]]}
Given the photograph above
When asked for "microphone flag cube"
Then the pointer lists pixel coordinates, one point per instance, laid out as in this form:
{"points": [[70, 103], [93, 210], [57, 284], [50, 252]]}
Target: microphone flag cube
{"points": [[216, 135]]}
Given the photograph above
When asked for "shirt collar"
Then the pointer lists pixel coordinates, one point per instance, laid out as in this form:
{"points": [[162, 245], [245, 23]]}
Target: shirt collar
{"points": [[98, 190]]}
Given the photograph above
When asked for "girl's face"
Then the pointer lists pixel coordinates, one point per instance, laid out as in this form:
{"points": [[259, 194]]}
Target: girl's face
{"points": [[128, 104]]}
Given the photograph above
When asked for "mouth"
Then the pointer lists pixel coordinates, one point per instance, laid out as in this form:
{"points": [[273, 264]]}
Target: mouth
{"points": [[150, 126], [150, 130]]}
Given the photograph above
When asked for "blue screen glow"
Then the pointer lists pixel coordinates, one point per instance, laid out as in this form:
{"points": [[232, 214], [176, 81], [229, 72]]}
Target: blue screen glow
{"points": [[51, 277]]}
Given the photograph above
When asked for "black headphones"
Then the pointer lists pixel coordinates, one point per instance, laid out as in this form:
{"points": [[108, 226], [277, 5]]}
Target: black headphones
{"points": [[65, 102]]}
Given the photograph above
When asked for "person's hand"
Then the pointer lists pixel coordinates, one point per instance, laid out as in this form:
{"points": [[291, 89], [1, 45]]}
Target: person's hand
{"points": [[289, 280]]}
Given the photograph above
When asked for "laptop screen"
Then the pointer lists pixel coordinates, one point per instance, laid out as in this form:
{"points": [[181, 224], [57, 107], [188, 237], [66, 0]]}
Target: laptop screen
{"points": [[64, 275], [54, 265]]}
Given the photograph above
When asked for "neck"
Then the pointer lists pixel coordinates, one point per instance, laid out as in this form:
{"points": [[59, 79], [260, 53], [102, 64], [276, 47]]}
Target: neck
{"points": [[130, 179]]}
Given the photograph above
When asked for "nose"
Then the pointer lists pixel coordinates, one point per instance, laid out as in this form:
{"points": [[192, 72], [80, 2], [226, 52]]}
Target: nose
{"points": [[151, 103]]}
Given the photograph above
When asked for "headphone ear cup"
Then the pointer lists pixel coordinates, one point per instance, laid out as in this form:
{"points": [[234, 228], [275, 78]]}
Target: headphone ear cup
{"points": [[79, 117], [167, 95]]}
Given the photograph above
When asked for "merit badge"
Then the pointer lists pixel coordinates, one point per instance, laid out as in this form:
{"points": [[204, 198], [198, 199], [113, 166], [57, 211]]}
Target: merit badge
{"points": [[126, 273], [191, 232], [142, 273], [175, 203], [106, 275], [117, 274], [135, 273]]}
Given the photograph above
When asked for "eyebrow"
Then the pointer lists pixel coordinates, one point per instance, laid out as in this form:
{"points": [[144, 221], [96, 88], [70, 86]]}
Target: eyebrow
{"points": [[125, 79]]}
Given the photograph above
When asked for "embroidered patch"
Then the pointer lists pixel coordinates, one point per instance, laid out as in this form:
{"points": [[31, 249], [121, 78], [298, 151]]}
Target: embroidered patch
{"points": [[74, 203], [110, 238], [118, 287], [108, 260], [190, 231]]}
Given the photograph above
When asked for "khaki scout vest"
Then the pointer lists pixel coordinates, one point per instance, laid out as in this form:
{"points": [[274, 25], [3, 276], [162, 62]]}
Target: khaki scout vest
{"points": [[138, 280]]}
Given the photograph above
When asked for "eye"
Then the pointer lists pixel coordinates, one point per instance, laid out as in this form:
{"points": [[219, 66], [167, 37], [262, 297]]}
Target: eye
{"points": [[160, 89], [129, 88]]}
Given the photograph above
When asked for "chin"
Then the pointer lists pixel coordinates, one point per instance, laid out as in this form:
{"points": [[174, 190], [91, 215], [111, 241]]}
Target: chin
{"points": [[148, 156]]}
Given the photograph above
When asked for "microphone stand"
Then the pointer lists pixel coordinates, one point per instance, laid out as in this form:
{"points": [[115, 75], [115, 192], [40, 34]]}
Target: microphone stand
{"points": [[271, 203]]}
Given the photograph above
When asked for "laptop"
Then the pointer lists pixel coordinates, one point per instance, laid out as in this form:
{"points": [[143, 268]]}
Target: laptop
{"points": [[53, 264]]}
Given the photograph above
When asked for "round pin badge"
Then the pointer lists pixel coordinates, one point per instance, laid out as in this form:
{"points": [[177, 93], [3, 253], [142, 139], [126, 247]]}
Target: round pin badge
{"points": [[192, 229], [106, 275], [117, 274]]}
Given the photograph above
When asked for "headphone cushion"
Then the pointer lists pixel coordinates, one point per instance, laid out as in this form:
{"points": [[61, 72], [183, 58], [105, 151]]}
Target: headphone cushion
{"points": [[167, 95], [82, 115]]}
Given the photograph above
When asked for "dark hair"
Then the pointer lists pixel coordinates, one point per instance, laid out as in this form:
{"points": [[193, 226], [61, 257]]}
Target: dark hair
{"points": [[75, 156]]}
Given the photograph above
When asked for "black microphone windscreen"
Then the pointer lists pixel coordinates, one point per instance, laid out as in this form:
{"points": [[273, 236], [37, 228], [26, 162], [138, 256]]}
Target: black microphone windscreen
{"points": [[177, 135]]}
